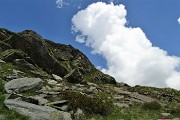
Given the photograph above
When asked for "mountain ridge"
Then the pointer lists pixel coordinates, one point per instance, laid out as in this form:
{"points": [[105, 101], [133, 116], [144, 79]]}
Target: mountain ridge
{"points": [[44, 80]]}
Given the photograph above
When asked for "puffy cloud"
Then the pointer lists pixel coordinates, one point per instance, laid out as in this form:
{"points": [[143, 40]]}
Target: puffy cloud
{"points": [[130, 56], [178, 20]]}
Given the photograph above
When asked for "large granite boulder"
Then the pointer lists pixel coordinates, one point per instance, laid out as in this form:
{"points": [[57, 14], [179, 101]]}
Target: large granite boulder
{"points": [[23, 84], [36, 112]]}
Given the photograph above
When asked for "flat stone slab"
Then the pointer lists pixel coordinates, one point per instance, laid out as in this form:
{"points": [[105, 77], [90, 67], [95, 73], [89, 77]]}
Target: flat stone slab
{"points": [[142, 98], [121, 105], [23, 84], [36, 112]]}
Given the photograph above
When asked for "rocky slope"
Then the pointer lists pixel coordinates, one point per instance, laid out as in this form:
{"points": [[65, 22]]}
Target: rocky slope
{"points": [[51, 81]]}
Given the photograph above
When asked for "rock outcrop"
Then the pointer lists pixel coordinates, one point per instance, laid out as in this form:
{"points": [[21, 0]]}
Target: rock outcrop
{"points": [[23, 84], [54, 58], [36, 112], [50, 81]]}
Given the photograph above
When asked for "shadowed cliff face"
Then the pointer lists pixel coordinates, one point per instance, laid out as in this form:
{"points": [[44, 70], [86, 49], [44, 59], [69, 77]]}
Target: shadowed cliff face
{"points": [[54, 58]]}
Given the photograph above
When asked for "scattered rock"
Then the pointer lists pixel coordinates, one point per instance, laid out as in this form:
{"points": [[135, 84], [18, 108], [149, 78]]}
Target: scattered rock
{"points": [[10, 77], [2, 117], [36, 112], [79, 114], [74, 76], [16, 72], [23, 84], [56, 89], [121, 105], [79, 85], [92, 90], [52, 82], [118, 97], [60, 105], [92, 84], [165, 114], [1, 61], [141, 98], [121, 92], [56, 77]]}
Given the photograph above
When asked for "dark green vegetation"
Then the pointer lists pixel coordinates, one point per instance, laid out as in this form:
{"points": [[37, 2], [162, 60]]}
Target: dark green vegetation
{"points": [[154, 105], [95, 104], [27, 54]]}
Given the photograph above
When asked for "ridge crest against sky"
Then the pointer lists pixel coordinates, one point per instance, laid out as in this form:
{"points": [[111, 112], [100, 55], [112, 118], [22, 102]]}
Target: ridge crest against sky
{"points": [[130, 56]]}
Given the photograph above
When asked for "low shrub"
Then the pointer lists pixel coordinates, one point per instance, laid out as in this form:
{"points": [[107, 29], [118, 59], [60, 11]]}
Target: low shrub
{"points": [[1, 86], [175, 111], [89, 104], [154, 105]]}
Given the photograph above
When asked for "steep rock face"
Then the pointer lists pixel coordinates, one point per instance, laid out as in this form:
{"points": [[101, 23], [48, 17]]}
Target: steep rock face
{"points": [[68, 54], [54, 58], [34, 45]]}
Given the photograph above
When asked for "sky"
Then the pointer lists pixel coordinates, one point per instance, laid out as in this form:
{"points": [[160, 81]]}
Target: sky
{"points": [[135, 41]]}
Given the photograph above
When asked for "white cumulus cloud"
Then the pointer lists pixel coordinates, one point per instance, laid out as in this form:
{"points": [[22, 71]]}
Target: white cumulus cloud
{"points": [[130, 56], [178, 20]]}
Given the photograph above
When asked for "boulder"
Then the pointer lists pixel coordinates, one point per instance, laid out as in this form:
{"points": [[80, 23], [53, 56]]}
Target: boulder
{"points": [[136, 97], [36, 112], [74, 76], [23, 84]]}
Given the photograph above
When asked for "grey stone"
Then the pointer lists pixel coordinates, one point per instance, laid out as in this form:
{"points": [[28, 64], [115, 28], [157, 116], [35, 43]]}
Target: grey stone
{"points": [[23, 84], [36, 112], [121, 91], [79, 85], [92, 84], [10, 77], [16, 72], [1, 61], [142, 98], [2, 117], [73, 87], [118, 97], [165, 114], [41, 100], [79, 114], [121, 105], [56, 89], [91, 90], [58, 102], [56, 77], [52, 82]]}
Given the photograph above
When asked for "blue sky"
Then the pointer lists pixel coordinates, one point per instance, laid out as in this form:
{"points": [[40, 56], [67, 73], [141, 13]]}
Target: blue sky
{"points": [[156, 18]]}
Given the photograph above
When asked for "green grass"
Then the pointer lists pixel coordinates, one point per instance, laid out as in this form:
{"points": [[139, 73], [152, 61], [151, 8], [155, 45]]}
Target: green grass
{"points": [[132, 113], [9, 114]]}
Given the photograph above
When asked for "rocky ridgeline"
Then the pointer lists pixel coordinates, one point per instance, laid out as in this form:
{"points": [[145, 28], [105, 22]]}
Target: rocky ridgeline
{"points": [[40, 75]]}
